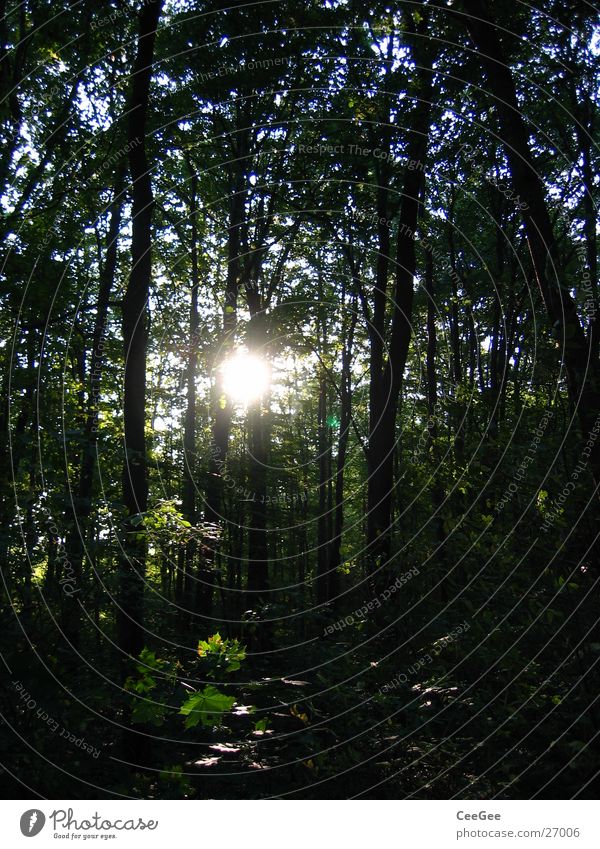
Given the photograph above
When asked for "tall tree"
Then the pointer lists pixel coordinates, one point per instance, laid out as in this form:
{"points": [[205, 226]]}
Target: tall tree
{"points": [[195, 579], [135, 340], [387, 371], [82, 496]]}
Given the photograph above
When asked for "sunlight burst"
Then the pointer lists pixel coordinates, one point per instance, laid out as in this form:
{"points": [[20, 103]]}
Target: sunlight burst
{"points": [[245, 376]]}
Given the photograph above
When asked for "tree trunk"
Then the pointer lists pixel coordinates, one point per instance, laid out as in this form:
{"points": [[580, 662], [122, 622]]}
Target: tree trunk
{"points": [[135, 335], [437, 491], [323, 518], [323, 448], [82, 500], [457, 369], [385, 395], [345, 420], [192, 594], [223, 409], [258, 556]]}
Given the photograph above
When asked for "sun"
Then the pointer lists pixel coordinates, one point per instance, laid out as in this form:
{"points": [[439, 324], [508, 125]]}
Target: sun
{"points": [[245, 376]]}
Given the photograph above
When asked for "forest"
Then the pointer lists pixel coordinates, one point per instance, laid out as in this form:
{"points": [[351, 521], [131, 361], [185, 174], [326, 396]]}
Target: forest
{"points": [[300, 399]]}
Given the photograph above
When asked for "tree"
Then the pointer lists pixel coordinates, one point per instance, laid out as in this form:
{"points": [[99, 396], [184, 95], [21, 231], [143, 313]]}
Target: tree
{"points": [[135, 335], [580, 363]]}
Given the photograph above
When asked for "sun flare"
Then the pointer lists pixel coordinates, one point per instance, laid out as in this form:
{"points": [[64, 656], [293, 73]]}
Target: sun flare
{"points": [[245, 376]]}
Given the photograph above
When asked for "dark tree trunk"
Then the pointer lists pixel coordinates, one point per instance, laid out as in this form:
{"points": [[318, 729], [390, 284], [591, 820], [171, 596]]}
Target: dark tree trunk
{"points": [[378, 487], [431, 347], [258, 555], [222, 409], [222, 420], [324, 516], [82, 500], [12, 448], [342, 448], [324, 450], [135, 335], [437, 491], [457, 368], [192, 587], [388, 382]]}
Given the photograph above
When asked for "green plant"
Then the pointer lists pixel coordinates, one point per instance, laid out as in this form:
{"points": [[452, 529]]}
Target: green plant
{"points": [[206, 706], [220, 655]]}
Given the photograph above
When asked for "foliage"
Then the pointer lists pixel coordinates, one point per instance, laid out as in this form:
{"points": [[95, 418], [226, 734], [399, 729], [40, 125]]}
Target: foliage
{"points": [[300, 646]]}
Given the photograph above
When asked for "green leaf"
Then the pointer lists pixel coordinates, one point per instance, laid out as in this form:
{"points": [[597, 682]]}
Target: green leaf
{"points": [[206, 706]]}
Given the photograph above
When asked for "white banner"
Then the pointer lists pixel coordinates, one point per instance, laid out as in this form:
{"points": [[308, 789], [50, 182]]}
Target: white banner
{"points": [[296, 824]]}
